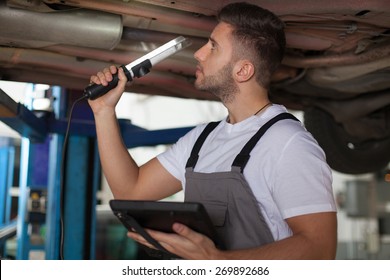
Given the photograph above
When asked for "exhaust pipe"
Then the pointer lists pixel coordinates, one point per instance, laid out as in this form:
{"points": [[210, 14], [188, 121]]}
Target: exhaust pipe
{"points": [[83, 28]]}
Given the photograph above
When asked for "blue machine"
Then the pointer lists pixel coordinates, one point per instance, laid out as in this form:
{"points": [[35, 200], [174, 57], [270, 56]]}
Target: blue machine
{"points": [[40, 197]]}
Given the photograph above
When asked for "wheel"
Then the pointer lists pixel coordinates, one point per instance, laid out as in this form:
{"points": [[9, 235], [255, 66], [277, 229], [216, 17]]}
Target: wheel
{"points": [[345, 153]]}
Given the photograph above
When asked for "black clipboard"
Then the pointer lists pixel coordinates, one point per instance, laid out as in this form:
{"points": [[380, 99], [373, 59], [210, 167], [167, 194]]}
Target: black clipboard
{"points": [[136, 215]]}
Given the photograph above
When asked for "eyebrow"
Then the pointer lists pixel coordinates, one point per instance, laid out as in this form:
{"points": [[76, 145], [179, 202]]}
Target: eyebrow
{"points": [[213, 40]]}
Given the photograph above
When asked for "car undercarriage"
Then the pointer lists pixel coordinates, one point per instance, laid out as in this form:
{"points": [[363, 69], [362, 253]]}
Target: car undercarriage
{"points": [[336, 68]]}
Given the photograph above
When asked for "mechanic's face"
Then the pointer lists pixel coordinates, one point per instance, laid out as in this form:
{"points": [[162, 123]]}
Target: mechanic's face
{"points": [[215, 68]]}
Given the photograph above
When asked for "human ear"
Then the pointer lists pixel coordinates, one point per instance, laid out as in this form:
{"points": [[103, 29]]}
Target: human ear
{"points": [[244, 70]]}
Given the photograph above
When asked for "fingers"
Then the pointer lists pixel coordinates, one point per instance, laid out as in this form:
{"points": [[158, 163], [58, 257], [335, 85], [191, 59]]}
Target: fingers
{"points": [[122, 79], [104, 76], [185, 242], [186, 232], [138, 238], [113, 69]]}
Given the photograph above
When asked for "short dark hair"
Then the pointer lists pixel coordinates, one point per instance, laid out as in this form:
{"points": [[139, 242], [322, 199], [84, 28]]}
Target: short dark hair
{"points": [[259, 36]]}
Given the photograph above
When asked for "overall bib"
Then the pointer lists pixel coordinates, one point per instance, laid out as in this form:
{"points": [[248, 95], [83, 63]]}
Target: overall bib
{"points": [[227, 196]]}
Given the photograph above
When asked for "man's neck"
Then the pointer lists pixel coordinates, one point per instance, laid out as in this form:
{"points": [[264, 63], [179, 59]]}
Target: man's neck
{"points": [[247, 104]]}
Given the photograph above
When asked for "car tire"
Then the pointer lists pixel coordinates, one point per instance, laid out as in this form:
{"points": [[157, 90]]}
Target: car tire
{"points": [[343, 153]]}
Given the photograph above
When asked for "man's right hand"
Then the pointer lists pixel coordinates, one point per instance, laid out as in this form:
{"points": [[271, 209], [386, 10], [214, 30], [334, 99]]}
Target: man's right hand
{"points": [[111, 98]]}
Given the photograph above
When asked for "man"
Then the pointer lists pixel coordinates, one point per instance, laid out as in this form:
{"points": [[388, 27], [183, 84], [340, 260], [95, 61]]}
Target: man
{"points": [[271, 201]]}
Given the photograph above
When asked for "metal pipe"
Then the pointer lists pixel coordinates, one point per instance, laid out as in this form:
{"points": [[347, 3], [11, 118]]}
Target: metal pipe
{"points": [[50, 68], [134, 8], [100, 30], [337, 59], [346, 110]]}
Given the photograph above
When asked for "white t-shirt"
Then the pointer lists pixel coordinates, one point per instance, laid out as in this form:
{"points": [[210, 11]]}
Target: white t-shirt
{"points": [[287, 171]]}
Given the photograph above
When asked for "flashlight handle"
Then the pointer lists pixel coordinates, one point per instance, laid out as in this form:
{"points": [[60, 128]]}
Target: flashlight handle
{"points": [[94, 91]]}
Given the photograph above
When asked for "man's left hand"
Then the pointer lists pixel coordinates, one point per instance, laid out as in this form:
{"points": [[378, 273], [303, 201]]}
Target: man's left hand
{"points": [[184, 243]]}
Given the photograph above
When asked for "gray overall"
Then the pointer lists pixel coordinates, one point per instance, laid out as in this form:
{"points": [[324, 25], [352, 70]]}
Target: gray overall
{"points": [[227, 196]]}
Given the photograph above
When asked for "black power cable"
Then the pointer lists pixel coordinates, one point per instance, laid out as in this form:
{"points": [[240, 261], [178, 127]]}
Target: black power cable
{"points": [[62, 178]]}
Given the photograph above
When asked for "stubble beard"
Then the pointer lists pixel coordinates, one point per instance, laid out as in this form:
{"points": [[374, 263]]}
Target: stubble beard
{"points": [[220, 84]]}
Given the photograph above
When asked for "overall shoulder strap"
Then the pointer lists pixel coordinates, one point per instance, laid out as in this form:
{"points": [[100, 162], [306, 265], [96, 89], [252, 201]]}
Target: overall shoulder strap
{"points": [[242, 158], [193, 159]]}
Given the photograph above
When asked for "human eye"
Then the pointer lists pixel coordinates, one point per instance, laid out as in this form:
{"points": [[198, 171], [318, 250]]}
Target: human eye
{"points": [[212, 45]]}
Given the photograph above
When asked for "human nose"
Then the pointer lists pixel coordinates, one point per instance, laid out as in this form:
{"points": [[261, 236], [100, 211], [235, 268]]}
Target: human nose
{"points": [[200, 54]]}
